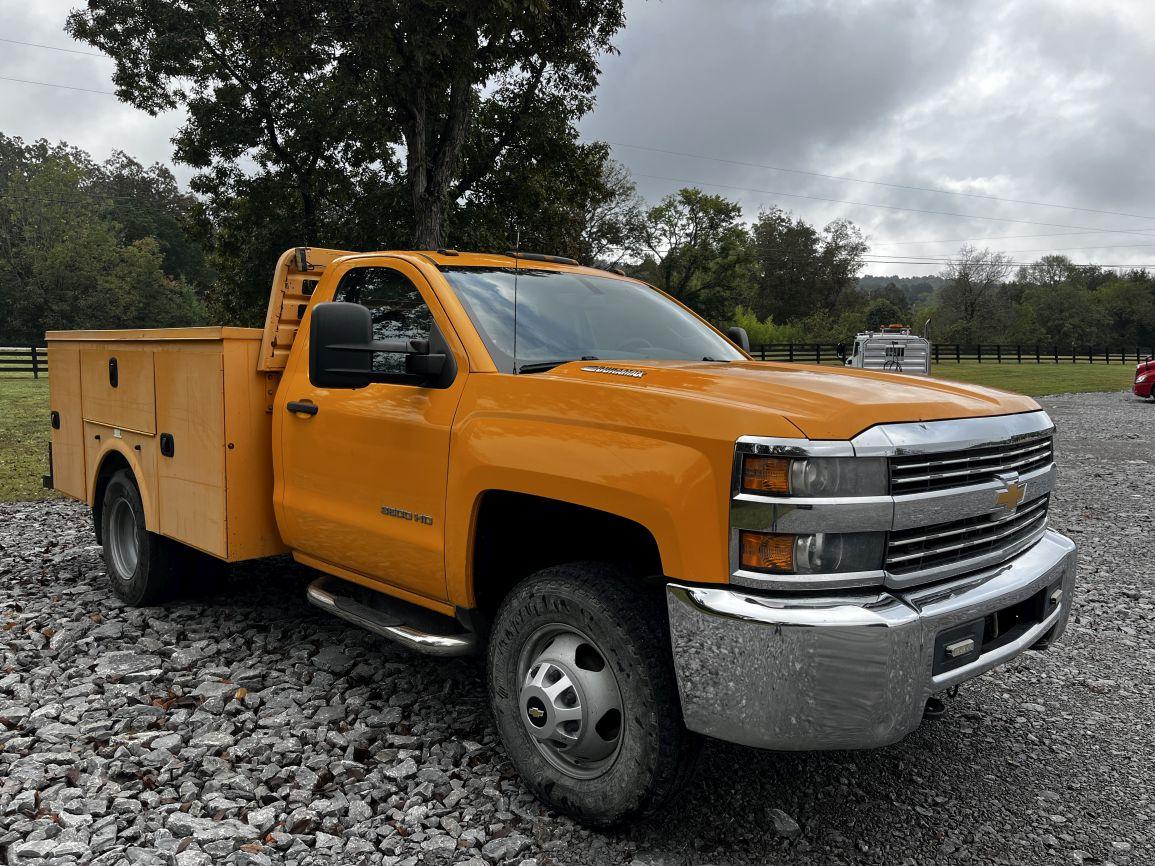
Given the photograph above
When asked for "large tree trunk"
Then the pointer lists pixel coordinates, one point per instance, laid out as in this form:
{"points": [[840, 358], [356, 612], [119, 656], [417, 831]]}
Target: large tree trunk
{"points": [[427, 214]]}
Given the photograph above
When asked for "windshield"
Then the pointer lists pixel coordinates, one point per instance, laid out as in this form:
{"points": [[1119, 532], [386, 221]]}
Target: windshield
{"points": [[563, 316]]}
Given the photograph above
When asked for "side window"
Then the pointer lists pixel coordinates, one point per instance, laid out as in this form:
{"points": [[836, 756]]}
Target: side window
{"points": [[398, 310]]}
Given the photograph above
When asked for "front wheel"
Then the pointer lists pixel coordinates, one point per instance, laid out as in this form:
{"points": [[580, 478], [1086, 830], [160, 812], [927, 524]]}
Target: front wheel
{"points": [[139, 563], [584, 695]]}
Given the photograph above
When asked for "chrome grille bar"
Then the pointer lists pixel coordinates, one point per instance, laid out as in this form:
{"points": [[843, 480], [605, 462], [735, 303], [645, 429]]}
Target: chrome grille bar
{"points": [[914, 550], [939, 471]]}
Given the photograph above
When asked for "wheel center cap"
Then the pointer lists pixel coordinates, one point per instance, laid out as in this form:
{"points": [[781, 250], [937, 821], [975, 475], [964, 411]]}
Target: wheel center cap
{"points": [[535, 711]]}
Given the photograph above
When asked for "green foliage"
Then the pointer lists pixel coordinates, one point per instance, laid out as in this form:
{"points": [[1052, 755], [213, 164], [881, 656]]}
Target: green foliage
{"points": [[696, 249], [882, 311], [479, 96], [67, 262], [765, 331], [798, 270]]}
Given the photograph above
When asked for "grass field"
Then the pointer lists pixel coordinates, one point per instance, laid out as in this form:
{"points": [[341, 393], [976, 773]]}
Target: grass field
{"points": [[1039, 379], [24, 409], [23, 438]]}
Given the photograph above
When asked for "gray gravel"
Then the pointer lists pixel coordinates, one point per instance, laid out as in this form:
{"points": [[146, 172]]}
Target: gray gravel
{"points": [[254, 730]]}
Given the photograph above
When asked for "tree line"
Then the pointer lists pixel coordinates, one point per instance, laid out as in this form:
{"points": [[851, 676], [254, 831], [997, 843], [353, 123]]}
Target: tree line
{"points": [[386, 124]]}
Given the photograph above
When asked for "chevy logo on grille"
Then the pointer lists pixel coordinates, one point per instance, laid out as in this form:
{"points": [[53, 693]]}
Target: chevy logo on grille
{"points": [[1013, 491]]}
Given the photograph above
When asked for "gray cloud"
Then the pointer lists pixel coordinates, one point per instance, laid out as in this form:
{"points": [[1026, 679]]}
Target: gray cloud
{"points": [[1046, 100]]}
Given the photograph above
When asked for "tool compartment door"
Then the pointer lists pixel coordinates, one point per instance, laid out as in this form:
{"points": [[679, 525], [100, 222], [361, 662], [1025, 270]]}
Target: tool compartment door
{"points": [[117, 386], [68, 424], [191, 446]]}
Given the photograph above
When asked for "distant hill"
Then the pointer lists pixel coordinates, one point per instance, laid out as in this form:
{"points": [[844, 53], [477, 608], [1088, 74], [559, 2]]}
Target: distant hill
{"points": [[915, 288]]}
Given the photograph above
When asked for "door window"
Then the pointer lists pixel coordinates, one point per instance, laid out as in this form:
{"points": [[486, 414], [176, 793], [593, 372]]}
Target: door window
{"points": [[396, 306]]}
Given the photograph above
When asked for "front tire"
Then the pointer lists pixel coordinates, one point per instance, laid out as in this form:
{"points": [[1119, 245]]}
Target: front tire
{"points": [[139, 563], [583, 691]]}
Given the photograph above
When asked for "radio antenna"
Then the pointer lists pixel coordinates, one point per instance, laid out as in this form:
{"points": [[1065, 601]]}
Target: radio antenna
{"points": [[516, 256]]}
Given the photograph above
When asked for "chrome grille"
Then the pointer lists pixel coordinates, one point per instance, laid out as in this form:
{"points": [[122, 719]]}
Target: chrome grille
{"points": [[921, 473], [927, 547]]}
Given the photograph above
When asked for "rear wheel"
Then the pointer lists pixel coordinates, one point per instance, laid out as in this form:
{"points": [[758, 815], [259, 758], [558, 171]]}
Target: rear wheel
{"points": [[584, 693], [139, 563]]}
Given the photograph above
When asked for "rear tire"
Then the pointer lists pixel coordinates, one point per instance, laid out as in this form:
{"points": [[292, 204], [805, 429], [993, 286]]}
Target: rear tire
{"points": [[612, 746], [139, 563]]}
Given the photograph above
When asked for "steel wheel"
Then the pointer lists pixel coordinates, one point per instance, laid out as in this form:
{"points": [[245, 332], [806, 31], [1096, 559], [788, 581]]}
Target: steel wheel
{"points": [[122, 539], [569, 701]]}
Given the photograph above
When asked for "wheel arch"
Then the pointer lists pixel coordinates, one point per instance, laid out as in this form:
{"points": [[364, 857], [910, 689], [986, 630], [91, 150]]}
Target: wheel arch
{"points": [[110, 462], [517, 534]]}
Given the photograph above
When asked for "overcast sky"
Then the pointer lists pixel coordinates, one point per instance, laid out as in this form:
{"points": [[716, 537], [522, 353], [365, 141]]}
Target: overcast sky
{"points": [[1036, 100]]}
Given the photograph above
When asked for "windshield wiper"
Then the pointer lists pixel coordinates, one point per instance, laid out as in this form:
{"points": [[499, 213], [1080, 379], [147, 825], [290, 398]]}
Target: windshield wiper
{"points": [[716, 360], [545, 366]]}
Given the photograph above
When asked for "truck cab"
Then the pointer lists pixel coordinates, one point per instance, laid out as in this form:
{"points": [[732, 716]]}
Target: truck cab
{"points": [[649, 536]]}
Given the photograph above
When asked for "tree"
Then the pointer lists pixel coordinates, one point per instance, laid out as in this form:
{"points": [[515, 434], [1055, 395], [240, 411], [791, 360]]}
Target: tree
{"points": [[799, 270], [880, 312], [304, 88], [973, 280], [696, 250], [65, 262], [430, 68]]}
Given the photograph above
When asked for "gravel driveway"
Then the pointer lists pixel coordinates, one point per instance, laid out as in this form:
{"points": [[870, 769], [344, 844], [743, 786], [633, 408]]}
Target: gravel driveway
{"points": [[254, 729]]}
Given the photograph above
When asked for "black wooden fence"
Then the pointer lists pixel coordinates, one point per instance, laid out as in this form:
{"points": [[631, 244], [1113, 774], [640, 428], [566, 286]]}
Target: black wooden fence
{"points": [[956, 353], [30, 359], [34, 359]]}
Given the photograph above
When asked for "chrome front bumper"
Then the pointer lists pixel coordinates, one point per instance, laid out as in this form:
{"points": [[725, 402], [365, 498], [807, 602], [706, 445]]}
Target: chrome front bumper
{"points": [[853, 670]]}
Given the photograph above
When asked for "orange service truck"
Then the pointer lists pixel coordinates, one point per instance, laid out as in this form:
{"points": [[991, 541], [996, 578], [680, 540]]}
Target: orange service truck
{"points": [[649, 535]]}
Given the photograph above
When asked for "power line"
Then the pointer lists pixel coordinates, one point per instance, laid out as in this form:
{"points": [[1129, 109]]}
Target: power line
{"points": [[993, 238], [55, 48], [892, 206], [61, 86], [848, 179]]}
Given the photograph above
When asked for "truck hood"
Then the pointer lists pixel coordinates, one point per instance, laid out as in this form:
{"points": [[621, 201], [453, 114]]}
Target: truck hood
{"points": [[822, 402]]}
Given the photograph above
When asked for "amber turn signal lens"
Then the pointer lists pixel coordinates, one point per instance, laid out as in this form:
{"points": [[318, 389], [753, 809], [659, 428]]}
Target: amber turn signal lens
{"points": [[764, 551], [766, 474]]}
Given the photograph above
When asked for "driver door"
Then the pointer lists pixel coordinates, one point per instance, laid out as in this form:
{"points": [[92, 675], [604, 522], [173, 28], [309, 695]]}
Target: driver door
{"points": [[363, 471]]}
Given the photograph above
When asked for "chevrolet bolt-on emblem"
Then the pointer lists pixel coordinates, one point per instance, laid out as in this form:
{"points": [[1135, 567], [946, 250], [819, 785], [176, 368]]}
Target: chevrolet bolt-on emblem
{"points": [[1013, 491], [536, 713]]}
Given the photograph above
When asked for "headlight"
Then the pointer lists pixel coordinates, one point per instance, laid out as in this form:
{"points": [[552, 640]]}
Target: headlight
{"points": [[1139, 380], [814, 476], [821, 553]]}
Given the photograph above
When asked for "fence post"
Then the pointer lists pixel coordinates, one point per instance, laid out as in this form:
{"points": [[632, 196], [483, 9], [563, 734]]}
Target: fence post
{"points": [[979, 352], [936, 353], [1019, 352], [817, 353], [1055, 348], [999, 352], [1090, 357], [35, 364], [1038, 360]]}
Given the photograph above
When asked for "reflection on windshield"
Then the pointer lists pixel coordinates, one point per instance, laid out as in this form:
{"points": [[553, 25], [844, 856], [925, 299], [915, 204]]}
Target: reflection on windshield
{"points": [[564, 316]]}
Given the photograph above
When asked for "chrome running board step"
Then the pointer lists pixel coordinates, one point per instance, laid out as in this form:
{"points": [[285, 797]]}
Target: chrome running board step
{"points": [[388, 617]]}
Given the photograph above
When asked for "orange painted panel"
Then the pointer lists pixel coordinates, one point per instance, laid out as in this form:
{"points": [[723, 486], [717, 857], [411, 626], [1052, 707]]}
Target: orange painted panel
{"points": [[125, 400], [190, 409], [68, 439]]}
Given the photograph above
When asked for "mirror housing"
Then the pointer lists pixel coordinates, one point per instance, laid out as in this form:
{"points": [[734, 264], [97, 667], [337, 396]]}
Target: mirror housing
{"points": [[339, 324], [739, 338], [341, 349]]}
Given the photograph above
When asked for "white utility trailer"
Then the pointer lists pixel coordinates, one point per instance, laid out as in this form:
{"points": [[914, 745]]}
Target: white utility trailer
{"points": [[894, 349]]}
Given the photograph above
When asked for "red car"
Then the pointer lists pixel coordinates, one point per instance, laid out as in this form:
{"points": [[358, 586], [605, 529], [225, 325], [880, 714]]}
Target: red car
{"points": [[1145, 378]]}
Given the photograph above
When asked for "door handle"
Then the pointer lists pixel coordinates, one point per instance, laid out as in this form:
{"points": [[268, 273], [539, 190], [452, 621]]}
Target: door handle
{"points": [[296, 406]]}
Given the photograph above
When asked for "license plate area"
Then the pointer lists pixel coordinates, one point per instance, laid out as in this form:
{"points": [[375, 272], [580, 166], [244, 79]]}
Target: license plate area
{"points": [[965, 643]]}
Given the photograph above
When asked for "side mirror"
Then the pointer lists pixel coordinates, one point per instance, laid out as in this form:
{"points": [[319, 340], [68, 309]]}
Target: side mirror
{"points": [[341, 348], [336, 324], [740, 338]]}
